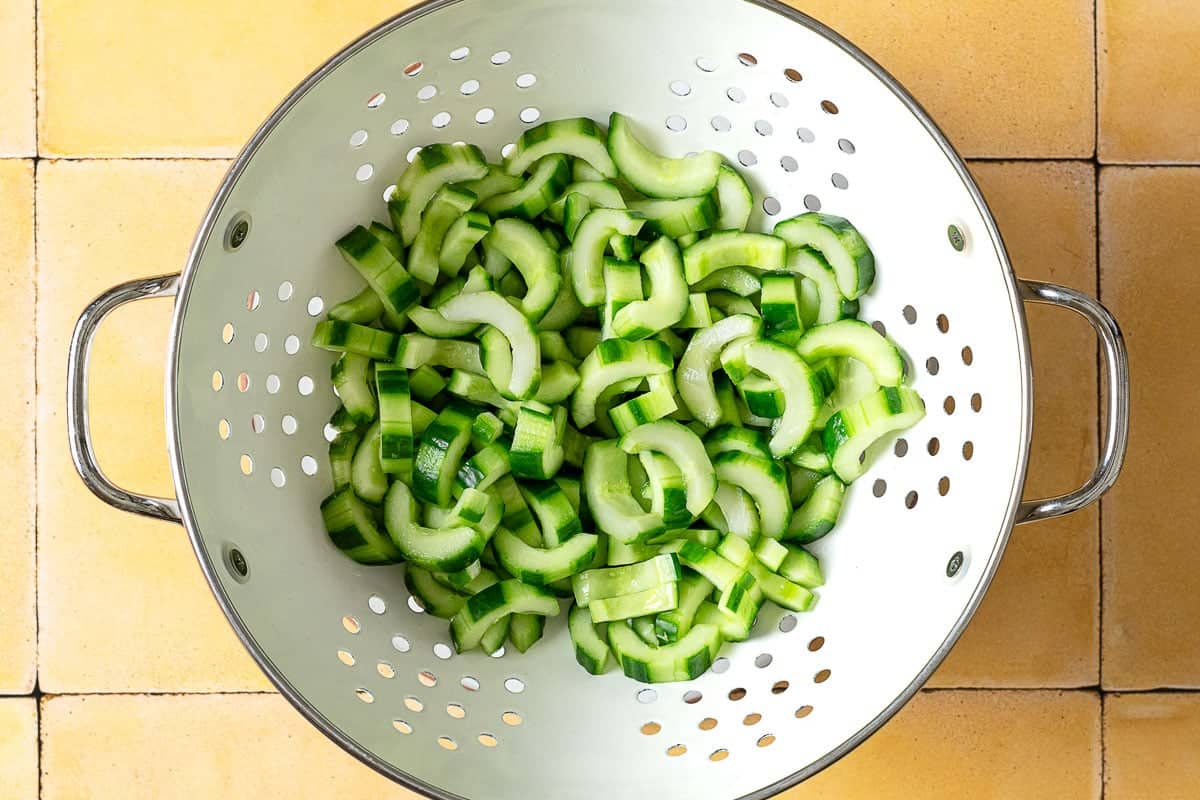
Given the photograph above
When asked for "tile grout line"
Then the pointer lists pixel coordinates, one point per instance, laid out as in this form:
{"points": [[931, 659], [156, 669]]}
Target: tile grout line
{"points": [[1099, 394], [37, 151]]}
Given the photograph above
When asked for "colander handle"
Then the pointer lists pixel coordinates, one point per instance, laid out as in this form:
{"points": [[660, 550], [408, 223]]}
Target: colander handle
{"points": [[1116, 431], [79, 428]]}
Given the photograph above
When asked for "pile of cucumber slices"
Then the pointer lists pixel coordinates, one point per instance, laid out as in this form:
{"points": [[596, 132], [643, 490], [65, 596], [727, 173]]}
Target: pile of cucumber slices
{"points": [[577, 376]]}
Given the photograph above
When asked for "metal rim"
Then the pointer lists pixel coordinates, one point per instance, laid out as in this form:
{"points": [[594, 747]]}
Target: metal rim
{"points": [[209, 568]]}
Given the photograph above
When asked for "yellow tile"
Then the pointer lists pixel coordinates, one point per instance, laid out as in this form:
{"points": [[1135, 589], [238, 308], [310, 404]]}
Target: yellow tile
{"points": [[1039, 624], [1147, 65], [191, 78], [979, 745], [1001, 77], [18, 748], [18, 128], [1150, 746], [202, 746], [1151, 585], [123, 606], [18, 651]]}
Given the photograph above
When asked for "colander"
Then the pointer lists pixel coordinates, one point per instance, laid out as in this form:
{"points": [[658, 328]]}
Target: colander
{"points": [[814, 124]]}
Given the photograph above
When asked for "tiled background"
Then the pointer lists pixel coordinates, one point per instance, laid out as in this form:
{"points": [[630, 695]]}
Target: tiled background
{"points": [[1073, 681]]}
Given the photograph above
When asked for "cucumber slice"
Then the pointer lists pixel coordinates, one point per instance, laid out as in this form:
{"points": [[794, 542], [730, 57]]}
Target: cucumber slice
{"points": [[610, 498], [639, 604], [820, 299], [417, 349], [434, 166], [851, 431], [575, 209], [770, 553], [780, 307], [858, 340], [537, 450], [377, 266], [537, 262], [653, 405], [614, 361], [793, 377], [733, 511], [525, 630], [431, 323], [734, 199], [733, 249], [350, 376], [728, 289], [705, 561], [671, 626], [484, 468], [669, 299], [819, 513], [698, 314], [550, 176], [347, 337], [559, 380], [602, 584], [495, 182], [668, 495], [539, 566], [555, 514], [461, 237], [494, 603], [341, 457], [366, 473], [622, 286], [440, 550], [802, 567], [438, 600], [839, 242], [566, 308], [732, 439], [440, 454], [395, 421], [580, 138], [765, 481], [351, 526], [492, 309], [694, 376], [684, 448], [621, 554], [590, 640], [600, 194], [684, 660], [675, 218], [364, 308], [444, 210], [587, 249], [654, 175]]}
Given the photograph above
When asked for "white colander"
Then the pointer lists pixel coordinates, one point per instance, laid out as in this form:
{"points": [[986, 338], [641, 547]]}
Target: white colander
{"points": [[814, 124]]}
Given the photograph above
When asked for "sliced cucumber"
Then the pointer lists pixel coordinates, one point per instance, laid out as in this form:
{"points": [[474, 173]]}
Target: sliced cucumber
{"points": [[351, 526], [839, 242], [590, 640], [610, 497], [580, 138], [377, 266], [819, 513], [444, 209], [734, 199], [669, 299], [537, 262], [858, 340], [485, 609], [587, 249], [851, 431], [733, 249], [694, 377], [675, 218], [654, 175], [440, 550], [434, 166], [550, 176], [539, 566], [492, 309]]}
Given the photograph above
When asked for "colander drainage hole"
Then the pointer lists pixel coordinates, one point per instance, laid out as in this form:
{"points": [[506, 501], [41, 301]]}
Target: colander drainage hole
{"points": [[829, 107], [812, 202], [362, 175], [706, 64], [747, 158], [910, 500], [413, 704], [365, 695], [501, 57], [346, 657], [470, 684], [822, 676], [530, 115], [485, 115], [948, 405], [680, 88], [415, 606], [676, 123], [789, 164], [508, 149], [246, 463], [901, 448], [787, 624], [291, 345], [735, 94], [676, 750], [793, 75], [721, 124], [763, 128], [721, 665], [227, 333], [526, 80], [943, 323], [402, 727], [253, 300], [737, 694], [305, 385], [763, 660], [839, 181], [934, 446], [779, 100], [803, 711], [385, 670], [488, 740], [968, 451], [718, 755], [459, 53], [447, 743], [377, 604], [910, 315], [771, 206], [707, 724], [646, 696], [932, 365], [414, 69], [514, 685], [258, 423], [747, 60], [692, 697], [806, 135], [651, 729], [879, 488], [401, 644], [351, 624], [223, 429], [752, 719], [308, 465], [779, 687], [944, 486], [455, 711], [399, 127], [766, 741], [511, 718], [358, 138], [442, 651], [846, 146], [816, 644], [469, 87], [427, 679], [977, 402], [968, 357]]}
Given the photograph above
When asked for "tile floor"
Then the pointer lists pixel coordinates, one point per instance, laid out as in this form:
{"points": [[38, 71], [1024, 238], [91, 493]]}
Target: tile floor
{"points": [[1080, 118]]}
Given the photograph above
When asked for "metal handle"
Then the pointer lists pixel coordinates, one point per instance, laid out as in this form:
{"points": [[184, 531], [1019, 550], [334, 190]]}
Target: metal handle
{"points": [[1116, 432], [79, 428]]}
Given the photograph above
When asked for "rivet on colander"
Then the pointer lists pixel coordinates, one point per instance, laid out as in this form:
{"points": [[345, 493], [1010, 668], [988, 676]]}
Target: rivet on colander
{"points": [[237, 562], [955, 564], [237, 231], [957, 240]]}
